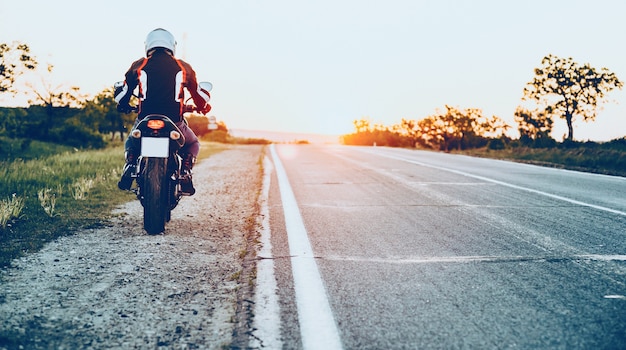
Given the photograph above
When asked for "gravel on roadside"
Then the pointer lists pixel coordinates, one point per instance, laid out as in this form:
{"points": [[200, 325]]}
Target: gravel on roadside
{"points": [[117, 287]]}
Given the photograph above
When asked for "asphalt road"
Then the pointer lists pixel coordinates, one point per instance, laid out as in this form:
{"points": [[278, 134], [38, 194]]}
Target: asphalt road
{"points": [[425, 250]]}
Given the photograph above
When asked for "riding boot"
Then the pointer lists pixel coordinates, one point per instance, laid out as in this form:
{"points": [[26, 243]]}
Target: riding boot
{"points": [[130, 168], [186, 183]]}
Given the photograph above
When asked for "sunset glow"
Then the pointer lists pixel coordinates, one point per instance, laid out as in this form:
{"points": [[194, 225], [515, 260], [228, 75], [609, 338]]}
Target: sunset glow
{"points": [[316, 67]]}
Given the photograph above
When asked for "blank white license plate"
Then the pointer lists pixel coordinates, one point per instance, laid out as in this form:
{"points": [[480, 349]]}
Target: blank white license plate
{"points": [[157, 147]]}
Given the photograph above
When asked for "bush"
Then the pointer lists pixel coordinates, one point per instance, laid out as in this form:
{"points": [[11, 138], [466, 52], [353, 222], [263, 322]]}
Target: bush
{"points": [[216, 136], [617, 144], [496, 144], [76, 136], [199, 125]]}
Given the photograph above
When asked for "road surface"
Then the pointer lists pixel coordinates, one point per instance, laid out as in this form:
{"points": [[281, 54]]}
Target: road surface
{"points": [[378, 248]]}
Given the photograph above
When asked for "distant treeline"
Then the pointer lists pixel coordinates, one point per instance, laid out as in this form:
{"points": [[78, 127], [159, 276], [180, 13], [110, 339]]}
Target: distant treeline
{"points": [[460, 130], [90, 126]]}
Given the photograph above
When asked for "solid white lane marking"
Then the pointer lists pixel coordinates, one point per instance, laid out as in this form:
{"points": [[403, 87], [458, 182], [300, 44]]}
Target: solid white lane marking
{"points": [[266, 310], [502, 183], [476, 258], [317, 324]]}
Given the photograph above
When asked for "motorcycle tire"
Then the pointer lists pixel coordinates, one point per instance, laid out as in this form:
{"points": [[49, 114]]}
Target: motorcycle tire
{"points": [[155, 195]]}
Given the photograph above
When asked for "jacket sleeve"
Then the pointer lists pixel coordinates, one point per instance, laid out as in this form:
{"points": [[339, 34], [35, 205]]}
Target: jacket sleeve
{"points": [[123, 94], [200, 96]]}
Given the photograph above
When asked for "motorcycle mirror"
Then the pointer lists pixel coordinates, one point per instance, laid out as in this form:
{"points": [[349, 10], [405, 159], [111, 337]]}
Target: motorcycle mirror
{"points": [[206, 85]]}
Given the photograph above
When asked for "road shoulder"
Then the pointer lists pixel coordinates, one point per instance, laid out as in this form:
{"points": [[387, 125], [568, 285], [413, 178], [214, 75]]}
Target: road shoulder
{"points": [[117, 287]]}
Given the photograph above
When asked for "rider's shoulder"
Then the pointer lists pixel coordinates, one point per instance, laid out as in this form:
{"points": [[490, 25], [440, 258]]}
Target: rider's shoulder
{"points": [[185, 64], [139, 62]]}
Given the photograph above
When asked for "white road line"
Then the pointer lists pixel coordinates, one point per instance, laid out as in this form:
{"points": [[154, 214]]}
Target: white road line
{"points": [[482, 178], [476, 259], [317, 324], [266, 310]]}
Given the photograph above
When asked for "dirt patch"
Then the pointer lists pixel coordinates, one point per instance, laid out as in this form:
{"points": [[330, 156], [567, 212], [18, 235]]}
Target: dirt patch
{"points": [[117, 287]]}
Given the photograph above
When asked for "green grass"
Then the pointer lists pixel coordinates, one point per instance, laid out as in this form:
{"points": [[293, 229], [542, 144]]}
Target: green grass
{"points": [[589, 159], [28, 149], [60, 194]]}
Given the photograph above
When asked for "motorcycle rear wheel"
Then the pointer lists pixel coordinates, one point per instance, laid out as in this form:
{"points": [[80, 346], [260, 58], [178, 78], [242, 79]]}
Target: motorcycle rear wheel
{"points": [[156, 196]]}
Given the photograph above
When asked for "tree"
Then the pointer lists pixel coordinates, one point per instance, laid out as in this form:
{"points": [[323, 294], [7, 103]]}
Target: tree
{"points": [[14, 59], [534, 127], [569, 90], [412, 130], [363, 134], [490, 127], [200, 124], [100, 113], [11, 122], [362, 125], [431, 132], [376, 134], [454, 128], [55, 100], [458, 128]]}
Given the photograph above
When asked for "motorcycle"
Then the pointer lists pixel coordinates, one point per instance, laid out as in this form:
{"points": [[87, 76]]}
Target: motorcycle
{"points": [[159, 166]]}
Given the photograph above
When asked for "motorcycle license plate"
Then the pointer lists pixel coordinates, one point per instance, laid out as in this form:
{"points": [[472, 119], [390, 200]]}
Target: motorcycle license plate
{"points": [[157, 147]]}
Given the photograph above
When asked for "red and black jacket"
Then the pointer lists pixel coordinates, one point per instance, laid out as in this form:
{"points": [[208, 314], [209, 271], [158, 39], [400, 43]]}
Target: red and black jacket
{"points": [[161, 79]]}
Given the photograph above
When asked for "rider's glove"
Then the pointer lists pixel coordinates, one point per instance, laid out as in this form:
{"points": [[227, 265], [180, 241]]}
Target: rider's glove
{"points": [[124, 108], [205, 109]]}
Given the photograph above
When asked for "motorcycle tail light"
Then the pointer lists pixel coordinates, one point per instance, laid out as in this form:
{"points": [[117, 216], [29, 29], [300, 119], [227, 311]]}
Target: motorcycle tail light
{"points": [[156, 124], [136, 133], [174, 135]]}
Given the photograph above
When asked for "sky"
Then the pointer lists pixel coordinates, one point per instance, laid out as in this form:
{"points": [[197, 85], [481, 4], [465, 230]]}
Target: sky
{"points": [[316, 66]]}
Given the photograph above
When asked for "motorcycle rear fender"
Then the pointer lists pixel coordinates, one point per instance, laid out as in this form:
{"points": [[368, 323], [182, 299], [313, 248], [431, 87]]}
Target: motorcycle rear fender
{"points": [[170, 126]]}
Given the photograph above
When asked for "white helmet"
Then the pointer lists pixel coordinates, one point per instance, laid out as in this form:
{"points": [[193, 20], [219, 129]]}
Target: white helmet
{"points": [[160, 38]]}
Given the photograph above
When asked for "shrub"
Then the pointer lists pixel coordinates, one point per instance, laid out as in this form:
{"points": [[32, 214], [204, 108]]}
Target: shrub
{"points": [[496, 144], [48, 201], [10, 209], [76, 136]]}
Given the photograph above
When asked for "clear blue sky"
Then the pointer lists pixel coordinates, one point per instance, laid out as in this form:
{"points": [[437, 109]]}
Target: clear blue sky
{"points": [[315, 66]]}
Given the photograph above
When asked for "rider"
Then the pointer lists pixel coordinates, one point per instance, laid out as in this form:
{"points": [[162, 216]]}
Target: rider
{"points": [[161, 79]]}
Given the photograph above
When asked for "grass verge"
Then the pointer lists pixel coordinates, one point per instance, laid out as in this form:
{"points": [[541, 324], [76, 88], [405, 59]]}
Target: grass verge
{"points": [[56, 195], [594, 160]]}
